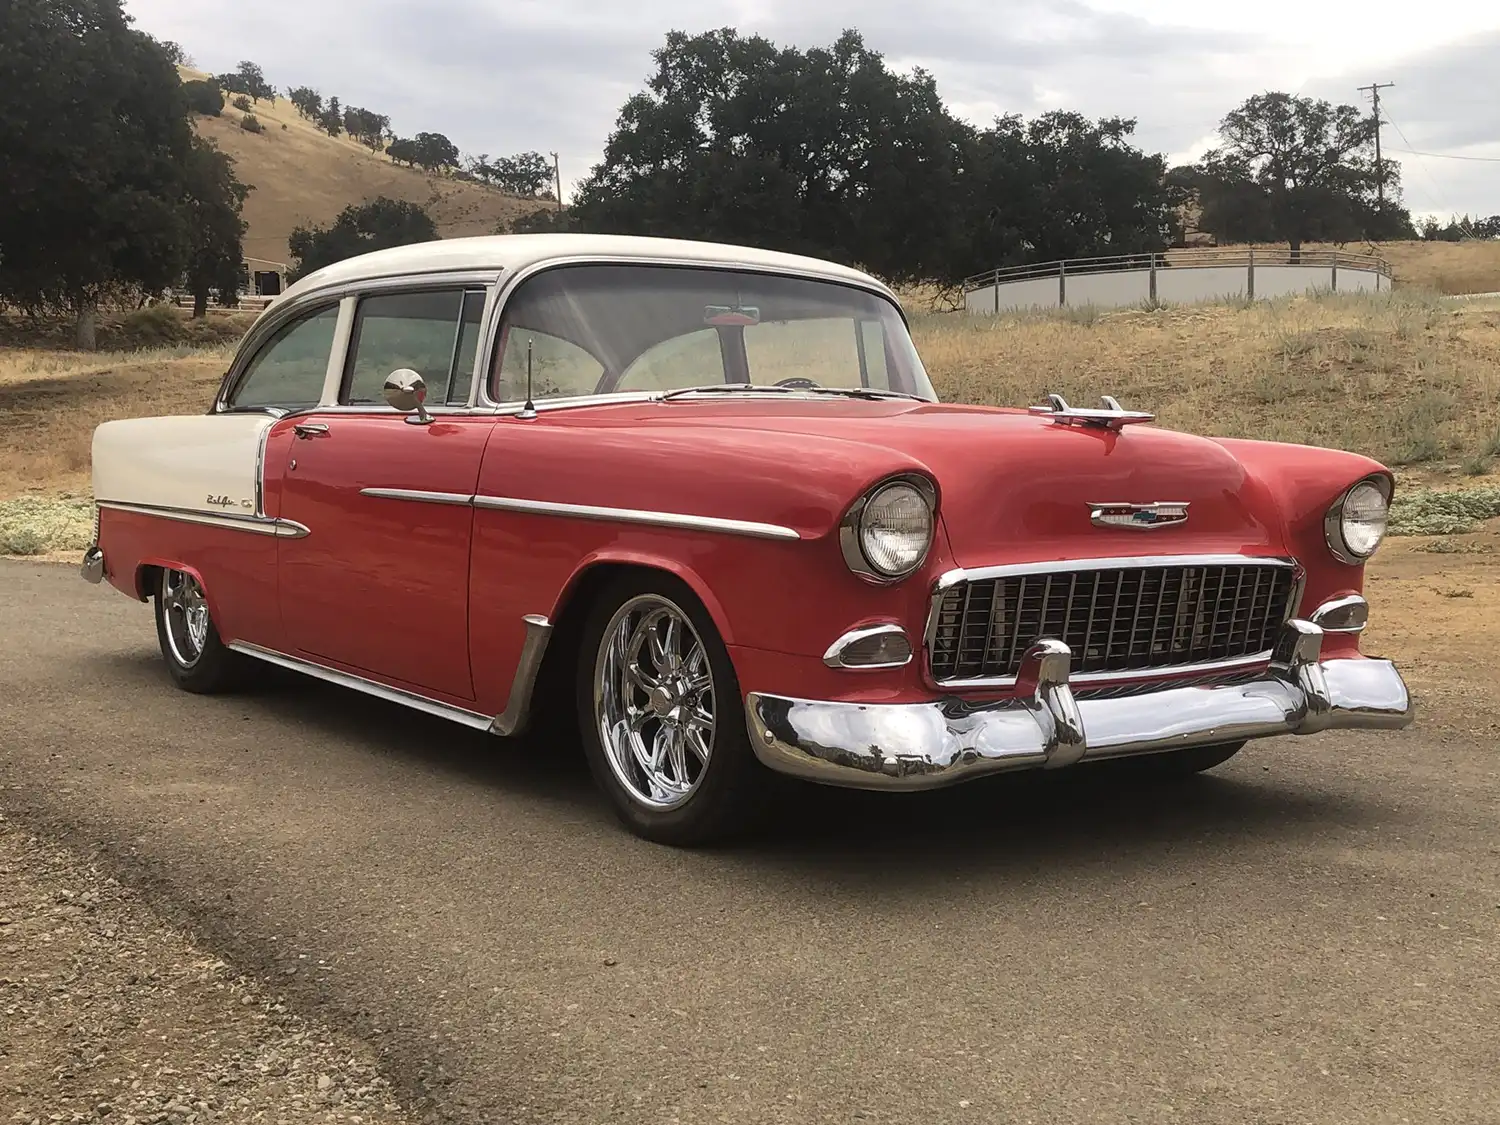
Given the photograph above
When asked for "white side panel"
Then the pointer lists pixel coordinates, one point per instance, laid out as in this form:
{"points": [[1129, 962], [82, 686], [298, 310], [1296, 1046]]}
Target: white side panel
{"points": [[1358, 281], [1183, 285], [1109, 290], [182, 461], [1288, 281], [1035, 293]]}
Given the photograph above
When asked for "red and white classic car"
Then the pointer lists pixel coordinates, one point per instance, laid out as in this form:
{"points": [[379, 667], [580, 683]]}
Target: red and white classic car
{"points": [[703, 500]]}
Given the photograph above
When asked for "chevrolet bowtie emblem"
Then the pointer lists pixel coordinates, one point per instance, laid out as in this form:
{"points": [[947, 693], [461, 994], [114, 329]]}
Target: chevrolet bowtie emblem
{"points": [[1163, 513]]}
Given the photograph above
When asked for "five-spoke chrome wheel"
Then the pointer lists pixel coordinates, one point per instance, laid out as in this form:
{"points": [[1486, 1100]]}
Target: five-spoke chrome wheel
{"points": [[654, 702], [186, 612]]}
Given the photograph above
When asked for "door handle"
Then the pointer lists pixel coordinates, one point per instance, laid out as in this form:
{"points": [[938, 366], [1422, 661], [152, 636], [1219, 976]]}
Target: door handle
{"points": [[309, 429]]}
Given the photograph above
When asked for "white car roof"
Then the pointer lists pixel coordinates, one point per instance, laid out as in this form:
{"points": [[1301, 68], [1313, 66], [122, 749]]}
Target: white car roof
{"points": [[512, 252]]}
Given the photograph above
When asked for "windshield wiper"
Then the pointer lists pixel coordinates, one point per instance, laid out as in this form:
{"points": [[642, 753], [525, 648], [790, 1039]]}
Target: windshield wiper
{"points": [[727, 388], [861, 392], [771, 388]]}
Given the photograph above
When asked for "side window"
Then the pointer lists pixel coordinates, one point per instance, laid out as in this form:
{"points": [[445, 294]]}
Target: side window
{"points": [[872, 354], [423, 331], [833, 351], [558, 368], [468, 348], [683, 361], [289, 368]]}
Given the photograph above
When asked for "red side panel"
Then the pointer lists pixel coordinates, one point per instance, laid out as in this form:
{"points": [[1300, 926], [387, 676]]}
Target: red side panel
{"points": [[237, 568]]}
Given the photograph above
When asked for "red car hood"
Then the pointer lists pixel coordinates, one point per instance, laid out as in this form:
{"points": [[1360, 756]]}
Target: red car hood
{"points": [[1013, 486]]}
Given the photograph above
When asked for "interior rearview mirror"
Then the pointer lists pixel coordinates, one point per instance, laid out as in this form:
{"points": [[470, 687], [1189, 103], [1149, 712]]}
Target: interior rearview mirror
{"points": [[406, 391]]}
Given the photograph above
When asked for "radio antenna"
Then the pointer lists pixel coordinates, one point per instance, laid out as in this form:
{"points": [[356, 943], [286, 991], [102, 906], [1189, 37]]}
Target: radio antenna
{"points": [[529, 410]]}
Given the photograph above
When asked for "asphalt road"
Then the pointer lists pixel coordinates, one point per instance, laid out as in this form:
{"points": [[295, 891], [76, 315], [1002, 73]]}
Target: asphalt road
{"points": [[1309, 935]]}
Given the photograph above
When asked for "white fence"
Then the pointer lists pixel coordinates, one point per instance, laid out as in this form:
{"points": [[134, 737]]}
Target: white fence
{"points": [[1173, 277]]}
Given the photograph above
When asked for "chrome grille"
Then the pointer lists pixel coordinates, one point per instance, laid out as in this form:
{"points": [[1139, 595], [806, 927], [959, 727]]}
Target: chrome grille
{"points": [[1159, 616]]}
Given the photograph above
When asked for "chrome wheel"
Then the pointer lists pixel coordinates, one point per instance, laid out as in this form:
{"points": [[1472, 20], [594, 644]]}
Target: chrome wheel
{"points": [[186, 611], [654, 702]]}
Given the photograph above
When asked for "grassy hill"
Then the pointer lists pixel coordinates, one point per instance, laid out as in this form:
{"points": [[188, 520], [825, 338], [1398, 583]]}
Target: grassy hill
{"points": [[301, 175]]}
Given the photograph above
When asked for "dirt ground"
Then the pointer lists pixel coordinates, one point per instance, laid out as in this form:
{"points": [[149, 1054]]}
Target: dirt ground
{"points": [[108, 1013]]}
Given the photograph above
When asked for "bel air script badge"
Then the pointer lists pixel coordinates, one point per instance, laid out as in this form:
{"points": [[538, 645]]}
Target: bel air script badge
{"points": [[1143, 517]]}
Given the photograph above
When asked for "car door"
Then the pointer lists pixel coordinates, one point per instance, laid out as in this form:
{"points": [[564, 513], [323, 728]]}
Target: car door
{"points": [[380, 583]]}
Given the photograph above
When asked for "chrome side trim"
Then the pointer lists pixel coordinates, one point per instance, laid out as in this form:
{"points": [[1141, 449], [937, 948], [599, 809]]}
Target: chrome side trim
{"points": [[834, 656], [256, 525], [370, 687], [903, 746], [457, 498], [517, 711], [633, 515], [1342, 615]]}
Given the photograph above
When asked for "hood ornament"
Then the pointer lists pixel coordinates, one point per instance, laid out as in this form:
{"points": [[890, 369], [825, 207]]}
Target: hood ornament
{"points": [[1142, 517], [1112, 417]]}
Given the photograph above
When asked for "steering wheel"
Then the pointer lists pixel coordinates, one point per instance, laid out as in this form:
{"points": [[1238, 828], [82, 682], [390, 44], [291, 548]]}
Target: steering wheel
{"points": [[798, 382]]}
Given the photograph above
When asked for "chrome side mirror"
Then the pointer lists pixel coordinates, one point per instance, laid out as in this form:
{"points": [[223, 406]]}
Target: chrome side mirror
{"points": [[406, 391]]}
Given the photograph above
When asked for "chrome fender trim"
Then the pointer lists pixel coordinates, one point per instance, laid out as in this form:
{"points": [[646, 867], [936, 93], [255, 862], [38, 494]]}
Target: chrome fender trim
{"points": [[517, 711], [256, 525], [370, 687]]}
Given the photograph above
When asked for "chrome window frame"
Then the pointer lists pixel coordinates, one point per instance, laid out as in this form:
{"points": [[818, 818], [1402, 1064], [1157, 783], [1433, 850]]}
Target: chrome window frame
{"points": [[416, 284], [508, 284], [346, 295], [951, 578], [261, 334]]}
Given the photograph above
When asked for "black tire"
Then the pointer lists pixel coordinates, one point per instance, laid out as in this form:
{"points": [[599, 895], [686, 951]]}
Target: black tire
{"points": [[214, 668], [1180, 763], [731, 787]]}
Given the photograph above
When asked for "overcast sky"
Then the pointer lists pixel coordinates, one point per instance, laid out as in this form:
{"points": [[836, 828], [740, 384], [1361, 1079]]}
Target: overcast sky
{"points": [[503, 76]]}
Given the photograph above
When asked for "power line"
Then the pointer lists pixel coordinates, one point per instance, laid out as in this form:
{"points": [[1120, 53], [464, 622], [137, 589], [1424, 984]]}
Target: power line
{"points": [[1447, 155]]}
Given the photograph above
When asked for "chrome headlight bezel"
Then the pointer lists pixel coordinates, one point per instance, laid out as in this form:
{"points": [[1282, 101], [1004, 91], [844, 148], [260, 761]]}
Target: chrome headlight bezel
{"points": [[851, 528], [1333, 520]]}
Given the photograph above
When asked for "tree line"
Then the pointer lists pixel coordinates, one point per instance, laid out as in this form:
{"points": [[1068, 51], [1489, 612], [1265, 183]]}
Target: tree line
{"points": [[105, 191]]}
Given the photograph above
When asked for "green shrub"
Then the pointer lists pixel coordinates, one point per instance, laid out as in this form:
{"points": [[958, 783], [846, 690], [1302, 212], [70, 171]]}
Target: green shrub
{"points": [[204, 97], [33, 525], [241, 103], [155, 326], [1447, 512], [251, 124]]}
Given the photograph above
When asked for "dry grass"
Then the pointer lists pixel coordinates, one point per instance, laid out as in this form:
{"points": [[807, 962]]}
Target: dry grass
{"points": [[1409, 379], [52, 400], [302, 175], [1443, 267]]}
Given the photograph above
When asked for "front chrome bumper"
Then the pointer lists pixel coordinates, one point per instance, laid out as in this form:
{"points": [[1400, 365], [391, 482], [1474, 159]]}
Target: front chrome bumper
{"points": [[928, 745]]}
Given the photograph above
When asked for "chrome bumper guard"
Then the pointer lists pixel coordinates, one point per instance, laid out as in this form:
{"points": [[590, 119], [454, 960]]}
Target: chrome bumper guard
{"points": [[93, 565], [928, 745]]}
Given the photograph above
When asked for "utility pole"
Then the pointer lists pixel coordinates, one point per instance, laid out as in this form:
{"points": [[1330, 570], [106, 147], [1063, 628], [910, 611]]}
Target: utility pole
{"points": [[557, 179], [1375, 88]]}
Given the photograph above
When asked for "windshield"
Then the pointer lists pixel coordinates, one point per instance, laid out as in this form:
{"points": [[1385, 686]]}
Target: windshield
{"points": [[632, 328]]}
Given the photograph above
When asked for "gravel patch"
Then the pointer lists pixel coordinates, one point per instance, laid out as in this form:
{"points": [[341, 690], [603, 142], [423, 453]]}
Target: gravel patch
{"points": [[108, 1014]]}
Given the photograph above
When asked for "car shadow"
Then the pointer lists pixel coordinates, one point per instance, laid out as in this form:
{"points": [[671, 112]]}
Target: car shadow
{"points": [[1087, 813]]}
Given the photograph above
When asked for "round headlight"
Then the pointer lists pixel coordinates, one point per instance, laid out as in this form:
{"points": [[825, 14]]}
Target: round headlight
{"points": [[895, 528], [1356, 525]]}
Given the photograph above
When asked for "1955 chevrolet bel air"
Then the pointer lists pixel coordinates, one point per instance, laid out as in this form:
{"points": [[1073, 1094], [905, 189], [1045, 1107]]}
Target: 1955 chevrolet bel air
{"points": [[703, 500]]}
